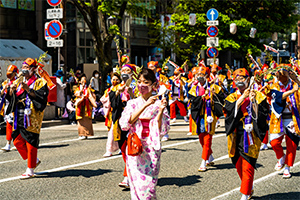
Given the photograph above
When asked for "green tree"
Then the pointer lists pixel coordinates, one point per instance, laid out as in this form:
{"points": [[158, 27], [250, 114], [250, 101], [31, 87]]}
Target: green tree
{"points": [[267, 16], [95, 14]]}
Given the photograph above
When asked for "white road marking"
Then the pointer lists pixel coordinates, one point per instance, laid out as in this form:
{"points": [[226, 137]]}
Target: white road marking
{"points": [[99, 160], [8, 161], [71, 140], [254, 182]]}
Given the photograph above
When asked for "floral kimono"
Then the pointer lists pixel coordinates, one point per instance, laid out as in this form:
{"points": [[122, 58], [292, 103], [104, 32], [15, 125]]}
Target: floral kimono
{"points": [[142, 170]]}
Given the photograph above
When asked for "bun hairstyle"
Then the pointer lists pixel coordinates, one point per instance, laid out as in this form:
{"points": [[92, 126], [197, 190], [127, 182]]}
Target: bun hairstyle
{"points": [[118, 76], [148, 74]]}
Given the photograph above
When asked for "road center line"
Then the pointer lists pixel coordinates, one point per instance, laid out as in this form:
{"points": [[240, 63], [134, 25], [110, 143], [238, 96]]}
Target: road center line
{"points": [[256, 181], [101, 160]]}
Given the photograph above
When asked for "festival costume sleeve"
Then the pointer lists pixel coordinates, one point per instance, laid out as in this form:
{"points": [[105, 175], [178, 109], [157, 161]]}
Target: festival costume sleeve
{"points": [[277, 104], [40, 101], [218, 99], [12, 105], [117, 108], [126, 115], [260, 126], [231, 122], [197, 104]]}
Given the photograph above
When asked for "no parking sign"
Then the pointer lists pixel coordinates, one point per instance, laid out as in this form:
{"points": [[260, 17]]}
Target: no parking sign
{"points": [[54, 2], [55, 28]]}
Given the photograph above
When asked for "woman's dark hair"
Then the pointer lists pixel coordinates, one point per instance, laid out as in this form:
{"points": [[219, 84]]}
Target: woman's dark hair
{"points": [[148, 74], [96, 72], [80, 77], [117, 75]]}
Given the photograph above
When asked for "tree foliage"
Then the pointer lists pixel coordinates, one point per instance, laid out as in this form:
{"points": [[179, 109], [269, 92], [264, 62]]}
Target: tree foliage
{"points": [[267, 16], [96, 13]]}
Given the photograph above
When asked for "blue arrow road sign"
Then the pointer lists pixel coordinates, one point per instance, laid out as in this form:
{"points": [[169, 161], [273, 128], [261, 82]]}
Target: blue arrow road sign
{"points": [[212, 14]]}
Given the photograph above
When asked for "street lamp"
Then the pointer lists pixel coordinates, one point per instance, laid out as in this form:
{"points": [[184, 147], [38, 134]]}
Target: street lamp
{"points": [[111, 21], [272, 44], [284, 45]]}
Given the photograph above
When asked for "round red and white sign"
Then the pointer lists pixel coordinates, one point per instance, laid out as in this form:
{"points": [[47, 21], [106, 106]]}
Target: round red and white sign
{"points": [[54, 2]]}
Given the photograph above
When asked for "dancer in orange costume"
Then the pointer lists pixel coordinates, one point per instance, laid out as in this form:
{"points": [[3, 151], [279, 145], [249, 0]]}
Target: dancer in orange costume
{"points": [[285, 118], [246, 112], [203, 98], [29, 97], [11, 75]]}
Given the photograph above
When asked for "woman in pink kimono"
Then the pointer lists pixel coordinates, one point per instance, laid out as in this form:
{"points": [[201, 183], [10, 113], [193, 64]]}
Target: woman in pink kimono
{"points": [[148, 118]]}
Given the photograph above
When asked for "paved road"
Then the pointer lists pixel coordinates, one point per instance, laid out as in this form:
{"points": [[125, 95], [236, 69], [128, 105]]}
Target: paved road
{"points": [[75, 169]]}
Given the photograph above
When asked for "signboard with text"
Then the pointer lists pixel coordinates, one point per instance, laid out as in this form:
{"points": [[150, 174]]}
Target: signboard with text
{"points": [[55, 43], [55, 13]]}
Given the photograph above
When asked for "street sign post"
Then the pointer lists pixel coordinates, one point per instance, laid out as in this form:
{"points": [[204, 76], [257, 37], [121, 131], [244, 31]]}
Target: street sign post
{"points": [[212, 14], [212, 51], [55, 43], [212, 41], [212, 31], [55, 28], [55, 13], [54, 2]]}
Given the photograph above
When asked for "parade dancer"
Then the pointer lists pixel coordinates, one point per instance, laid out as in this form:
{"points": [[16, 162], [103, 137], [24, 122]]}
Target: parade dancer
{"points": [[111, 144], [177, 95], [84, 103], [147, 117], [161, 80], [28, 99], [285, 119], [190, 83], [118, 100], [11, 75], [246, 112], [260, 86], [204, 113], [153, 65]]}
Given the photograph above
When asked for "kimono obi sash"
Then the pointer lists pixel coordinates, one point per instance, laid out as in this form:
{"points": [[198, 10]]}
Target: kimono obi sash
{"points": [[145, 124]]}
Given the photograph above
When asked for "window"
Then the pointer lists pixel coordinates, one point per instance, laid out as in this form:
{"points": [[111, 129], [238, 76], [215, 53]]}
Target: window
{"points": [[143, 20], [84, 42]]}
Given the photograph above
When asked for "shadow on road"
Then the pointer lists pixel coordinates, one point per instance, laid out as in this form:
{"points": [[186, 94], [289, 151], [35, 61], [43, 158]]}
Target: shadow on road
{"points": [[174, 149], [182, 139], [87, 173], [221, 166], [228, 166], [186, 181], [219, 132], [52, 146], [288, 195], [295, 174], [98, 138]]}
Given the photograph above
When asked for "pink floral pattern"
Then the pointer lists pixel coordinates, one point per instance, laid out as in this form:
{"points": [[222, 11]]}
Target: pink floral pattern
{"points": [[143, 170]]}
